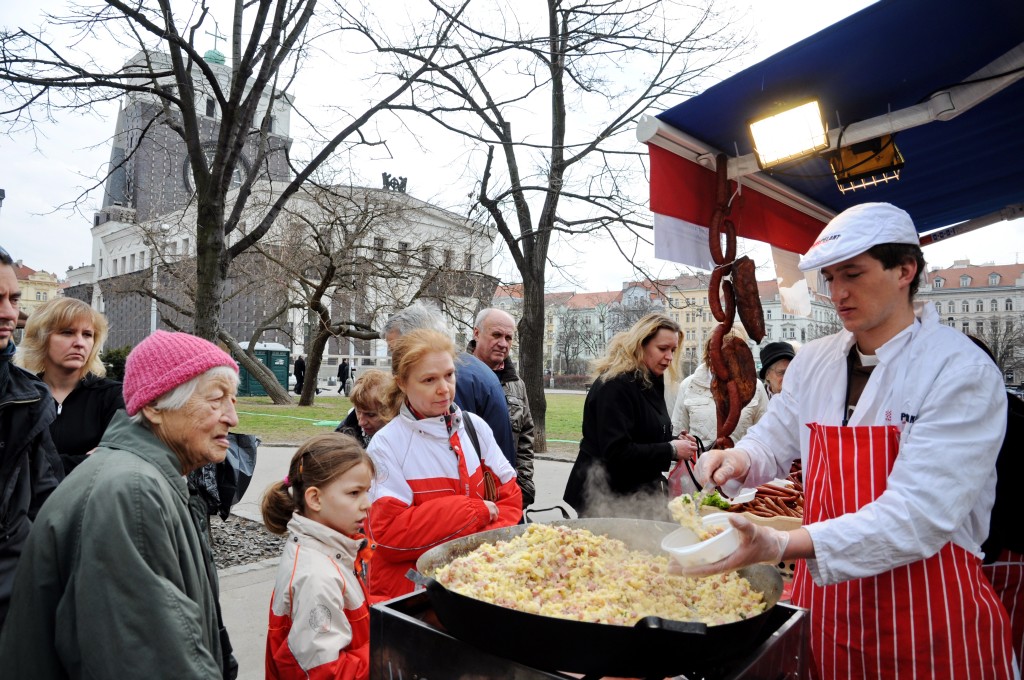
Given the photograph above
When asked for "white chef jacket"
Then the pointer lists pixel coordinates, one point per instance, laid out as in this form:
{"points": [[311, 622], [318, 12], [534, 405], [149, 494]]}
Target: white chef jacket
{"points": [[942, 485]]}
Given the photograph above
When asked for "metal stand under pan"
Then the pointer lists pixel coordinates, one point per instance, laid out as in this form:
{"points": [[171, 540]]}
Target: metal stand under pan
{"points": [[408, 643]]}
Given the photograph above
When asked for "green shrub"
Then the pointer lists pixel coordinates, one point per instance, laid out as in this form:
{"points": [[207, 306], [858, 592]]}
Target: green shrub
{"points": [[114, 359]]}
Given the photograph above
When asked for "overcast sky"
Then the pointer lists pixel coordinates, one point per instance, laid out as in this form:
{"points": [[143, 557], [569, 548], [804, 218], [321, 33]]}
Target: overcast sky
{"points": [[51, 166]]}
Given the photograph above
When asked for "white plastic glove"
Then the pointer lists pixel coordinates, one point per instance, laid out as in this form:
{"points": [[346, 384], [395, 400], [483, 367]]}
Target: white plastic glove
{"points": [[758, 544], [722, 465]]}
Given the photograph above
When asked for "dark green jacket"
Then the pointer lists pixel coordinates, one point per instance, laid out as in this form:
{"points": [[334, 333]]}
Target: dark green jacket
{"points": [[117, 580]]}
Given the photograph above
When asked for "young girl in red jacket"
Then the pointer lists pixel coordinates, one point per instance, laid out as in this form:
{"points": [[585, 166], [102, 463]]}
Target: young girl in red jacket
{"points": [[319, 615]]}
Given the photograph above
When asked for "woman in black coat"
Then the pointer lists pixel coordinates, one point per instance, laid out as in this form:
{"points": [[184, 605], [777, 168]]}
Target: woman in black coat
{"points": [[63, 339], [628, 443]]}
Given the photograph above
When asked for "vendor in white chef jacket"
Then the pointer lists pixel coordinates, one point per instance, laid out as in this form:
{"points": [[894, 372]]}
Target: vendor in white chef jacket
{"points": [[897, 420]]}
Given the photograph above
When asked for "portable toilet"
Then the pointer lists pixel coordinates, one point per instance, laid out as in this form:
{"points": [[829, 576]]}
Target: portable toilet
{"points": [[274, 356]]}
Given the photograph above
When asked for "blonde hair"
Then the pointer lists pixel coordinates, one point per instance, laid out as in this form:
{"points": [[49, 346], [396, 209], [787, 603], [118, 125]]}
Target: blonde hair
{"points": [[407, 350], [370, 391], [626, 350], [320, 460], [51, 317]]}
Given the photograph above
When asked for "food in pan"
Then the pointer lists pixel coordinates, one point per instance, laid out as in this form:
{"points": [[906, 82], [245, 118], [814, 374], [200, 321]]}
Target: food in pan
{"points": [[574, 574]]}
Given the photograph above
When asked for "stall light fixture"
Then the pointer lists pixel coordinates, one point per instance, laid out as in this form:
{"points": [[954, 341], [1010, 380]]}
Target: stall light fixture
{"points": [[867, 164], [789, 134]]}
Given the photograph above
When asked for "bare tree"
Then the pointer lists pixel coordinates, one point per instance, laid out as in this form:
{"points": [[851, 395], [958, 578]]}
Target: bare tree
{"points": [[577, 341], [348, 269], [270, 39], [1005, 339], [575, 78], [622, 316]]}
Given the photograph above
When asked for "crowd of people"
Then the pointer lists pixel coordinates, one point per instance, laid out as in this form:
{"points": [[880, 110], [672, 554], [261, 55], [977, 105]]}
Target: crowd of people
{"points": [[900, 424]]}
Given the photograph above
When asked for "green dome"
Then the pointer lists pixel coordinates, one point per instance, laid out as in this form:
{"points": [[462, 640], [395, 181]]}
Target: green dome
{"points": [[214, 56]]}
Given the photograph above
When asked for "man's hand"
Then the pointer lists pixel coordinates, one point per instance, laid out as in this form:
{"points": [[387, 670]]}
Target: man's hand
{"points": [[722, 465], [757, 544], [492, 508]]}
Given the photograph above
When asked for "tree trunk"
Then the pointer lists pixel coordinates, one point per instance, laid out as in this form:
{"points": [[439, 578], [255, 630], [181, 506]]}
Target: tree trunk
{"points": [[212, 265], [313, 360], [531, 355], [278, 394]]}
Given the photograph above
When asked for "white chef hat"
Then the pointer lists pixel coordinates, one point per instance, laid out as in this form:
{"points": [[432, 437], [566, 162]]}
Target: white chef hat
{"points": [[856, 230]]}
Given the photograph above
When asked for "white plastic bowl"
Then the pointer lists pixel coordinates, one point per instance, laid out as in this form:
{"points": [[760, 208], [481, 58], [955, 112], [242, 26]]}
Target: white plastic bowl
{"points": [[744, 496], [683, 546]]}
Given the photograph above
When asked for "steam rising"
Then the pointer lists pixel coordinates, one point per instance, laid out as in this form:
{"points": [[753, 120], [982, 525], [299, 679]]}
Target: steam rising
{"points": [[602, 501]]}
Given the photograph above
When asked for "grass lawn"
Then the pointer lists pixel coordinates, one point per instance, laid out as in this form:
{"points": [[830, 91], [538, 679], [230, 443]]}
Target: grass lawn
{"points": [[290, 425]]}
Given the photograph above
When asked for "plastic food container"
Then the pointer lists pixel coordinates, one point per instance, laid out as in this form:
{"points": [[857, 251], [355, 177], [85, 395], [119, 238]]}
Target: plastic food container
{"points": [[684, 547]]}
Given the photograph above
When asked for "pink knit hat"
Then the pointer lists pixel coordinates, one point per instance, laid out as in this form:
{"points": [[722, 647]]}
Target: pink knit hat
{"points": [[165, 360]]}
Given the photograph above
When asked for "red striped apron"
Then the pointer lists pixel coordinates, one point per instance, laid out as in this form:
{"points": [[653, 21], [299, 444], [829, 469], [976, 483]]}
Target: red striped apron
{"points": [[935, 618], [1007, 577]]}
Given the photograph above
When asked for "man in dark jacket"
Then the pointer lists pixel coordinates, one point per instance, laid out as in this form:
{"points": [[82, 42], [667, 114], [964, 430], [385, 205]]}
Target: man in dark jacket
{"points": [[30, 468], [343, 374], [493, 334], [300, 374], [477, 390]]}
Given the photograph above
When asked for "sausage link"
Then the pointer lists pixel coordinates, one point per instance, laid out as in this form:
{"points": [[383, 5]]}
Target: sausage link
{"points": [[730, 303], [715, 237], [730, 240], [714, 301], [748, 299], [734, 410], [718, 367]]}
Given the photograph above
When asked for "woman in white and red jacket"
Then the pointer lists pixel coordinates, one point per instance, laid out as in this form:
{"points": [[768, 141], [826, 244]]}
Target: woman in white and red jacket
{"points": [[430, 485]]}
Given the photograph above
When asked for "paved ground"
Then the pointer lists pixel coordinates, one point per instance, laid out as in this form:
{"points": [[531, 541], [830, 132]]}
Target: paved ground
{"points": [[245, 590]]}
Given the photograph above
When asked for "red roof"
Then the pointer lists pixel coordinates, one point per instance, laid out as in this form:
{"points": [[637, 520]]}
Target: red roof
{"points": [[979, 274], [22, 271], [509, 290], [591, 300]]}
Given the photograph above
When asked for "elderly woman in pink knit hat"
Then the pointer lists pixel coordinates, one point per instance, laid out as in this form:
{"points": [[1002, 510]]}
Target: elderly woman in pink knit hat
{"points": [[117, 578]]}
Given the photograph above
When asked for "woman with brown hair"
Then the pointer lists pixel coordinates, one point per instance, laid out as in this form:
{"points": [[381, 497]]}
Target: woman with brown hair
{"points": [[434, 464], [369, 413], [628, 443], [63, 340]]}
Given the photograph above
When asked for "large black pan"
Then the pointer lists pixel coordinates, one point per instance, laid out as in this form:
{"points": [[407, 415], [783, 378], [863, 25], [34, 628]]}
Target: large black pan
{"points": [[653, 648]]}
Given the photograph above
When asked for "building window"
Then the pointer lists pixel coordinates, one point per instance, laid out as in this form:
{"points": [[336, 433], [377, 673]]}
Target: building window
{"points": [[1009, 305], [468, 262], [965, 281], [965, 306], [211, 107], [979, 306], [937, 283], [184, 247], [966, 327], [950, 307], [378, 247], [132, 261], [427, 253], [993, 306], [950, 322], [993, 279], [403, 252], [980, 326], [448, 257], [767, 313], [115, 267]]}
